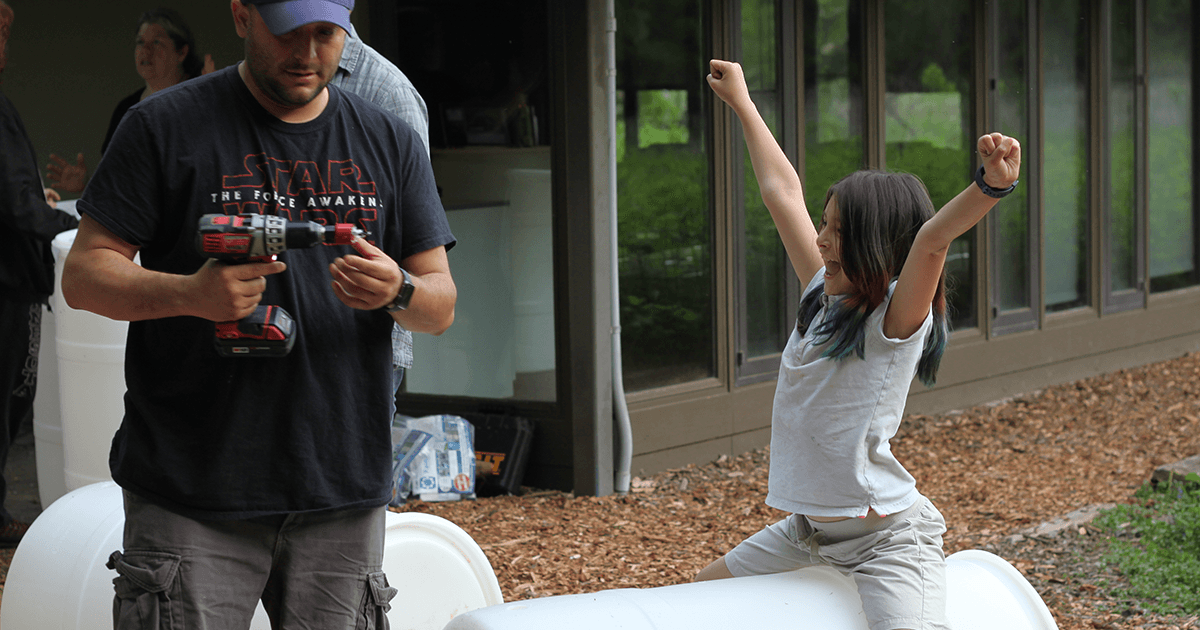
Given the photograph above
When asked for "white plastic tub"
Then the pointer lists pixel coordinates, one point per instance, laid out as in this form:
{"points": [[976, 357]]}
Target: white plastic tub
{"points": [[58, 579], [984, 593]]}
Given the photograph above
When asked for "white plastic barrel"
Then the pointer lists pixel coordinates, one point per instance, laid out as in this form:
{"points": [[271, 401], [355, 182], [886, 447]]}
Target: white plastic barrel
{"points": [[47, 410], [91, 369], [984, 593], [58, 579], [47, 415]]}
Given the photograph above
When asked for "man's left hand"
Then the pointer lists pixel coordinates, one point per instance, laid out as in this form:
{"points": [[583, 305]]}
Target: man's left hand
{"points": [[368, 281]]}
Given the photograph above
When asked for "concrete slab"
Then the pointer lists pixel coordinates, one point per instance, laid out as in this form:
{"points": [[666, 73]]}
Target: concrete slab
{"points": [[1073, 520]]}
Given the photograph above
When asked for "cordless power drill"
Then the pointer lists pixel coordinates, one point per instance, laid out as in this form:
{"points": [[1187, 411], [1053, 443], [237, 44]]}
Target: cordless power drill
{"points": [[243, 238]]}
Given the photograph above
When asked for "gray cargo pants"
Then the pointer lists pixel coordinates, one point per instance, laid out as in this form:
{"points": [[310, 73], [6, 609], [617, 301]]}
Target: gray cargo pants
{"points": [[311, 570]]}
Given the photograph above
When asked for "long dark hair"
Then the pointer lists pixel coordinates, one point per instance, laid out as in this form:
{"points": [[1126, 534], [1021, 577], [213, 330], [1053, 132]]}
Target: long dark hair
{"points": [[179, 33], [880, 214]]}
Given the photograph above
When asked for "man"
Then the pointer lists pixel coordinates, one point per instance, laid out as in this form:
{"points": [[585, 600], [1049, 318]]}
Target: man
{"points": [[249, 478], [26, 276], [365, 72]]}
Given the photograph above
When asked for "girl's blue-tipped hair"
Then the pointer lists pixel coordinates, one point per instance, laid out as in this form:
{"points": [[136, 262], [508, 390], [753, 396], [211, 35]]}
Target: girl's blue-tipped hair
{"points": [[844, 330], [880, 215]]}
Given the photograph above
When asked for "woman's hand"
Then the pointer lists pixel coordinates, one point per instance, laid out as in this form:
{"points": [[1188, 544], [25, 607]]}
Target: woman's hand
{"points": [[67, 176]]}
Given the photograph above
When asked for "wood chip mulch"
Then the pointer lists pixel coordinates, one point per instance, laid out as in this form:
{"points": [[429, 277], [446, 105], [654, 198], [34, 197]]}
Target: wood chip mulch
{"points": [[995, 471]]}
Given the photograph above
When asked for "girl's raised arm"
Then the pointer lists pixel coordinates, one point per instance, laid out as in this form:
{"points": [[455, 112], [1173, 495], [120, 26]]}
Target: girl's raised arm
{"points": [[923, 268], [777, 179]]}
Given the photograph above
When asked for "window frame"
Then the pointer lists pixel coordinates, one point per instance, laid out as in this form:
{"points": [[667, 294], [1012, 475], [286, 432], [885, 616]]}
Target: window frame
{"points": [[750, 370], [1114, 300], [1028, 317]]}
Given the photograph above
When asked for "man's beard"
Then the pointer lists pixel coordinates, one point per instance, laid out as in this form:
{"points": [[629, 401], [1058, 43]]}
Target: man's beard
{"points": [[275, 90]]}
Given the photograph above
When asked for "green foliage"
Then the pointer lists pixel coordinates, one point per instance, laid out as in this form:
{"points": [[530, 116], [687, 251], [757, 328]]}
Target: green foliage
{"points": [[933, 79], [945, 171], [662, 117], [1163, 563], [665, 257], [825, 165], [1170, 192]]}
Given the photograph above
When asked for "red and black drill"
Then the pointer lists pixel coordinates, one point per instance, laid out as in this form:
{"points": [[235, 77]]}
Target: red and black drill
{"points": [[244, 238]]}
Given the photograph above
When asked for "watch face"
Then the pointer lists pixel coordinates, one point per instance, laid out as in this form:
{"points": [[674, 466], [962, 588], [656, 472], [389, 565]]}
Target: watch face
{"points": [[403, 297]]}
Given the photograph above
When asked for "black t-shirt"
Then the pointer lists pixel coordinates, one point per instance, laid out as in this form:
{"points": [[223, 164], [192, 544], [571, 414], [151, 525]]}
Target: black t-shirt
{"points": [[118, 113], [215, 437]]}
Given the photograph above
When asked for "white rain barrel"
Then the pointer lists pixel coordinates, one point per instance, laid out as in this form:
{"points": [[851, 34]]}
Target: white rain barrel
{"points": [[47, 410], [58, 581], [47, 415], [984, 593], [91, 369]]}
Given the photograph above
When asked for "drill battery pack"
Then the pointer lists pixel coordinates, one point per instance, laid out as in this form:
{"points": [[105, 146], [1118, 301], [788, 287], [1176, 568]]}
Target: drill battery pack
{"points": [[267, 332]]}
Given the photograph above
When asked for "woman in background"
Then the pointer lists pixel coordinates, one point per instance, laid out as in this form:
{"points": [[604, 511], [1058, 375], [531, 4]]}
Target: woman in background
{"points": [[164, 54]]}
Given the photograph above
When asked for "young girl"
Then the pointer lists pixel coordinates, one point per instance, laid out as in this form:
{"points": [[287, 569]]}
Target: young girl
{"points": [[872, 316]]}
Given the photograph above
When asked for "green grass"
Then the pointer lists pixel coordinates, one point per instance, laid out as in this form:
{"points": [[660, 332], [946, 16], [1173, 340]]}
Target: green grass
{"points": [[1162, 562]]}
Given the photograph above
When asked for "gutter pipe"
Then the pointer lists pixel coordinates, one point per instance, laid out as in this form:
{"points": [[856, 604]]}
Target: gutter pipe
{"points": [[620, 408]]}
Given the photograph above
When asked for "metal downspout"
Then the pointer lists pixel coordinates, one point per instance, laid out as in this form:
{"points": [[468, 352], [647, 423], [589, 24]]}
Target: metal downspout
{"points": [[620, 408]]}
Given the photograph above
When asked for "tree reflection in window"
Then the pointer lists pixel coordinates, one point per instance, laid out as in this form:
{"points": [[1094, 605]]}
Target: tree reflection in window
{"points": [[663, 195]]}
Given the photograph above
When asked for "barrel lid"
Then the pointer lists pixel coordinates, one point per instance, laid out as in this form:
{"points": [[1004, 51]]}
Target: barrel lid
{"points": [[984, 591], [437, 568]]}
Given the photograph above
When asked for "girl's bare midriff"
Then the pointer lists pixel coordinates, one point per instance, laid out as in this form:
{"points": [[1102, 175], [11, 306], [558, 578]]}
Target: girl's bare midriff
{"points": [[835, 519]]}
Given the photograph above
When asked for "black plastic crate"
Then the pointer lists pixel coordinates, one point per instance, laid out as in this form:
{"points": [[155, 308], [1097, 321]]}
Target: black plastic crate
{"points": [[503, 441]]}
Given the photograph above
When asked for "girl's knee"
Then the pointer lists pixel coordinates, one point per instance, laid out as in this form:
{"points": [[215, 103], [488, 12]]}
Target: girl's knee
{"points": [[717, 570]]}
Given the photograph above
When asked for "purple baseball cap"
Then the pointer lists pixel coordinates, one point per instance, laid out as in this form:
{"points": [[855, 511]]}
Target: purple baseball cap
{"points": [[284, 16]]}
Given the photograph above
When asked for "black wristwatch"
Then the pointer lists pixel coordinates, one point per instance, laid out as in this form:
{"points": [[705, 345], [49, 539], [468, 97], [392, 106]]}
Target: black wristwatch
{"points": [[995, 193], [403, 297]]}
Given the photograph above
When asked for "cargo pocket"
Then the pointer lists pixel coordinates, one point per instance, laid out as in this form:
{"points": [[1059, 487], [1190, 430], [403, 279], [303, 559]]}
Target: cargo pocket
{"points": [[376, 603], [147, 590]]}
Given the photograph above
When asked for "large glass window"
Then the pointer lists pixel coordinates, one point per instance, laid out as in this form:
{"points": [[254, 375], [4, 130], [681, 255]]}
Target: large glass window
{"points": [[1014, 233], [665, 207], [765, 313], [1066, 150], [1169, 101], [1122, 224], [928, 110], [833, 97], [488, 97]]}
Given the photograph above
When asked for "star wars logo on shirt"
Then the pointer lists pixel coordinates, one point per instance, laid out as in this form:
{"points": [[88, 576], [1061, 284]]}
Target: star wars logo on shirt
{"points": [[334, 192]]}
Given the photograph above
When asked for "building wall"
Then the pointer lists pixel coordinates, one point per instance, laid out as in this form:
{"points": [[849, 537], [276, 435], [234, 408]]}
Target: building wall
{"points": [[695, 428], [70, 61], [995, 355]]}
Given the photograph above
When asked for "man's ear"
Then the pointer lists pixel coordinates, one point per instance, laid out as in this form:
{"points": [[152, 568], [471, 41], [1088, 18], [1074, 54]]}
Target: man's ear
{"points": [[241, 17]]}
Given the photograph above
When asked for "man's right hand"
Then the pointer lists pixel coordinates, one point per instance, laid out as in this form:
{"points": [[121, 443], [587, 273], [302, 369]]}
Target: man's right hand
{"points": [[227, 292]]}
